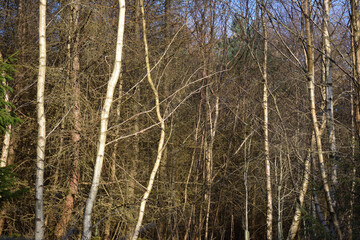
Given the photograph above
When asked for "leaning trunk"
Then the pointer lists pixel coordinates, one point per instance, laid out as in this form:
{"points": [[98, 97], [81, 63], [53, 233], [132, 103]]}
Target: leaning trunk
{"points": [[311, 80], [86, 235], [161, 143], [299, 203]]}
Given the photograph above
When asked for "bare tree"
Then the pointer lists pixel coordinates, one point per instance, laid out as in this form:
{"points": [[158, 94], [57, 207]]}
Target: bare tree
{"points": [[162, 135], [269, 212], [41, 139], [60, 228], [355, 26], [327, 69], [300, 202], [86, 235], [311, 81]]}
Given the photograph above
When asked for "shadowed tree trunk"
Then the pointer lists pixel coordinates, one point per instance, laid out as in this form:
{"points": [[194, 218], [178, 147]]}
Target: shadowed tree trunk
{"points": [[60, 229]]}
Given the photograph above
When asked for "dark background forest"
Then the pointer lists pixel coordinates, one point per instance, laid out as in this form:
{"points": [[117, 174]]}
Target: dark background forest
{"points": [[260, 109]]}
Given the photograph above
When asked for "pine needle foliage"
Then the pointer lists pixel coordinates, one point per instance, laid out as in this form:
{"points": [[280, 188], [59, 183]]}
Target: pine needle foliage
{"points": [[7, 114]]}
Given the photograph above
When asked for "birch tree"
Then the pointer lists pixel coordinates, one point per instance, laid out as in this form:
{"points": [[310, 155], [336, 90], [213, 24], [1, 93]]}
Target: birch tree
{"points": [[86, 234], [161, 120], [269, 212], [8, 128], [311, 82], [300, 202], [327, 69], [41, 139]]}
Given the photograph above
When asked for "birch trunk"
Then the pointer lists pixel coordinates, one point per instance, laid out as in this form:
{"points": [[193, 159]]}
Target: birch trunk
{"points": [[299, 204], [311, 80], [86, 235], [4, 157], [209, 146], [329, 93], [269, 212], [6, 141], [41, 139], [162, 135]]}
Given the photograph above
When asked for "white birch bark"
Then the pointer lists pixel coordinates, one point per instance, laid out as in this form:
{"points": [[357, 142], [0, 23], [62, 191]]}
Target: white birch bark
{"points": [[329, 93], [6, 145], [209, 146], [269, 215], [6, 141], [86, 235], [4, 155], [162, 136], [41, 139], [299, 204], [311, 80]]}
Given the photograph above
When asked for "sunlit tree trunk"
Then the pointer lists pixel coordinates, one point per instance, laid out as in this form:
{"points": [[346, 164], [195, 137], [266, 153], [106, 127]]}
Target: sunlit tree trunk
{"points": [[329, 93], [246, 171], [4, 156], [269, 211], [162, 135], [41, 139], [311, 80], [6, 141], [114, 157], [355, 26], [299, 203], [212, 118], [60, 228], [86, 235]]}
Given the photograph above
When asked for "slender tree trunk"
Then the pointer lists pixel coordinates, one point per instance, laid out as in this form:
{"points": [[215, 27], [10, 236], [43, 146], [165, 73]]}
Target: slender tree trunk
{"points": [[353, 140], [355, 27], [135, 159], [86, 235], [329, 94], [311, 80], [6, 142], [41, 139], [355, 30], [162, 135], [114, 156], [279, 197], [269, 212], [4, 157], [299, 203], [7, 137], [209, 146], [60, 228], [247, 233], [353, 180]]}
